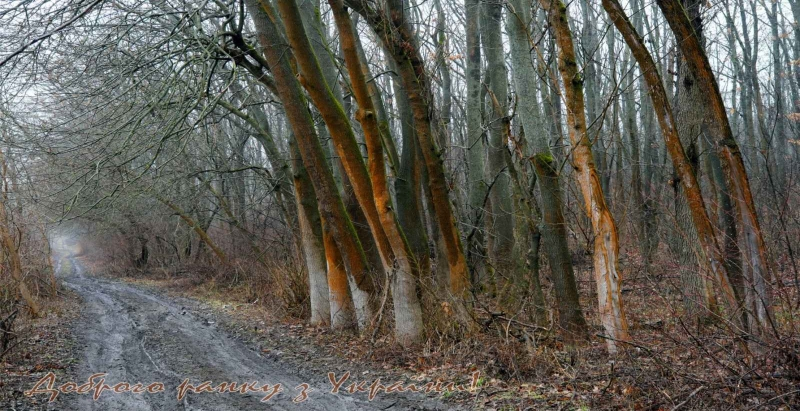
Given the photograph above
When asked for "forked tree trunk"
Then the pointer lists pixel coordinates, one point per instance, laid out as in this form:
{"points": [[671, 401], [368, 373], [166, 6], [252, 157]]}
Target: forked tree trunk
{"points": [[407, 310], [606, 245], [755, 255], [553, 226], [278, 54], [714, 258], [398, 38]]}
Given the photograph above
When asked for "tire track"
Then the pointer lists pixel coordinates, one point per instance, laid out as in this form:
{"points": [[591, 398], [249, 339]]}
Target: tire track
{"points": [[136, 336]]}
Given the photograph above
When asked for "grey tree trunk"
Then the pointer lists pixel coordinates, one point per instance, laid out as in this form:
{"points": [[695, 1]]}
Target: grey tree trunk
{"points": [[475, 138], [310, 224], [697, 295], [408, 186], [502, 222], [553, 226]]}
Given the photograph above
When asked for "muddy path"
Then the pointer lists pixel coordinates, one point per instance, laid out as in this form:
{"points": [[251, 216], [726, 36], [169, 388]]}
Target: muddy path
{"points": [[139, 336]]}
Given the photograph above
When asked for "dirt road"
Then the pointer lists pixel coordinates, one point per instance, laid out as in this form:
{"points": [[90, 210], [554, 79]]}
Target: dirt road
{"points": [[138, 336]]}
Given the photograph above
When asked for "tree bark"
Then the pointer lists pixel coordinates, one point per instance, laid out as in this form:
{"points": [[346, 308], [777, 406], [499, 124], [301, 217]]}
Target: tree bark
{"points": [[714, 259], [408, 185], [310, 223], [753, 241], [698, 297], [502, 222], [343, 312], [553, 225], [331, 207], [475, 137], [396, 34], [606, 245], [338, 126], [407, 310]]}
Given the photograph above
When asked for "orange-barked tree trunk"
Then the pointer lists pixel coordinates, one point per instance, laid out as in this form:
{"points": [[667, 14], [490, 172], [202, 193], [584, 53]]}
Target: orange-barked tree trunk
{"points": [[371, 189], [331, 207], [755, 255], [343, 315], [398, 38], [407, 309], [606, 246], [714, 260]]}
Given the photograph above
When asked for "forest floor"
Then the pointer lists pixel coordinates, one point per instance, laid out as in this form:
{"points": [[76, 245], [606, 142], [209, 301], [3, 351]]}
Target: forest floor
{"points": [[670, 365], [43, 345], [159, 328], [136, 334]]}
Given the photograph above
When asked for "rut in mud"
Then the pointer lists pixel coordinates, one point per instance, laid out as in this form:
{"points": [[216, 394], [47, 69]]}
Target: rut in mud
{"points": [[137, 336]]}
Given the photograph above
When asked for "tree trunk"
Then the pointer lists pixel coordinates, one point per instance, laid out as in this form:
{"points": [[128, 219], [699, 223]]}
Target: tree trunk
{"points": [[314, 251], [753, 242], [650, 195], [343, 312], [698, 298], [330, 203], [396, 34], [714, 259], [606, 245], [408, 185], [553, 225], [407, 310], [338, 126], [502, 224], [475, 138]]}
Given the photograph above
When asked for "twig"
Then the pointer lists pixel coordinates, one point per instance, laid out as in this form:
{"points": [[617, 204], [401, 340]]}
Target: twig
{"points": [[696, 390], [45, 36], [377, 320], [503, 317], [16, 343], [772, 399], [13, 314], [148, 355]]}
